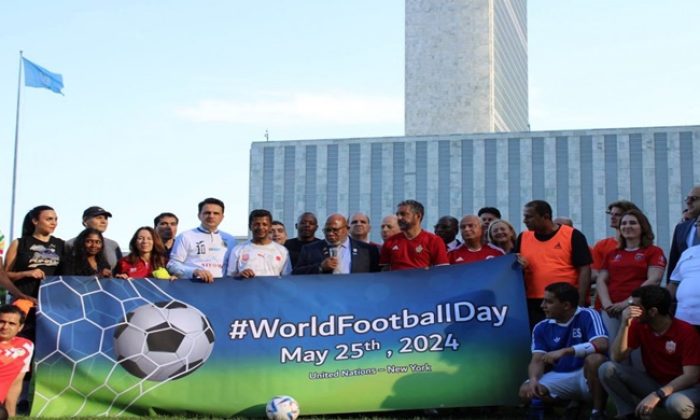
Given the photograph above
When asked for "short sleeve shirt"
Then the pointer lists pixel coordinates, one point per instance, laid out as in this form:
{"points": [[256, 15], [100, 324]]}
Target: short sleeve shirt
{"points": [[425, 250], [15, 356], [265, 260], [627, 270], [601, 249], [686, 275], [585, 326], [463, 255], [665, 355]]}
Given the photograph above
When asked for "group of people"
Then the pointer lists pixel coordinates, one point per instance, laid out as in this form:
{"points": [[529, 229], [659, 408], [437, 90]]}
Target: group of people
{"points": [[581, 350], [638, 343]]}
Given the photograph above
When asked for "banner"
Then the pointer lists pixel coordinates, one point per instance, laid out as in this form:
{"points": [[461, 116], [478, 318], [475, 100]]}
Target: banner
{"points": [[445, 337]]}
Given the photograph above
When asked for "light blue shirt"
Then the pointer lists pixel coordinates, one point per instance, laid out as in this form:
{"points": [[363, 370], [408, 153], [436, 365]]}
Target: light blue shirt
{"points": [[344, 257]]}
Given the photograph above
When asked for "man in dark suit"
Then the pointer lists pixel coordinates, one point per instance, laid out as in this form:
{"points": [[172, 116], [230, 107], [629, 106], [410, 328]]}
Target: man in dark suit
{"points": [[338, 253], [684, 234]]}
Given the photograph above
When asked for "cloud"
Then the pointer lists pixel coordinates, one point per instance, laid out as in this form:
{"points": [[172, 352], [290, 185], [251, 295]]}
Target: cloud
{"points": [[341, 108]]}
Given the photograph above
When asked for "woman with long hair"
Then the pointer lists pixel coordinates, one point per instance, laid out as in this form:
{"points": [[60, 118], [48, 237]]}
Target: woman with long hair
{"points": [[636, 262], [146, 257], [37, 253], [87, 258], [502, 234]]}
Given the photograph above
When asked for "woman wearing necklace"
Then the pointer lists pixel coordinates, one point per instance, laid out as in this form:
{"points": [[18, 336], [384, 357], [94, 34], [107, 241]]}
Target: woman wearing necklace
{"points": [[636, 262]]}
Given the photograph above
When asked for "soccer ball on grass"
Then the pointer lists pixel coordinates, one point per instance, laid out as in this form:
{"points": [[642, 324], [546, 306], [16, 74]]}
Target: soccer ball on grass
{"points": [[282, 407]]}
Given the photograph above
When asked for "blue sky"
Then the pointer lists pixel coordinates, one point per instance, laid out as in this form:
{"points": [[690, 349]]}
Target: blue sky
{"points": [[163, 98]]}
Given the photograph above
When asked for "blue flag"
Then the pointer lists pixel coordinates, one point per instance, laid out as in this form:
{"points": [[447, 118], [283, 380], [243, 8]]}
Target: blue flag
{"points": [[37, 76]]}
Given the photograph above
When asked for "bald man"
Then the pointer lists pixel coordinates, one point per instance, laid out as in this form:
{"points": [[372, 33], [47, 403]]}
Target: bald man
{"points": [[563, 221], [390, 227], [472, 250], [338, 253]]}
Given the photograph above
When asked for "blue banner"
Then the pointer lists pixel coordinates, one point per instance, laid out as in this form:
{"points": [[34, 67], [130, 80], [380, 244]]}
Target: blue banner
{"points": [[445, 337]]}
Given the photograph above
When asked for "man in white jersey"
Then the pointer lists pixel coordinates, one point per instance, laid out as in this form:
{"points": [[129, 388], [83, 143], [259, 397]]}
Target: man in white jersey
{"points": [[260, 255], [202, 252]]}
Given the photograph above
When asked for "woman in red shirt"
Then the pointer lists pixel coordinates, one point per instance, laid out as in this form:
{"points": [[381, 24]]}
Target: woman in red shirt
{"points": [[636, 262], [146, 256]]}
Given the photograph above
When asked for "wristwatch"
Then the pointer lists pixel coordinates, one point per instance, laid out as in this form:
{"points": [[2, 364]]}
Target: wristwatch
{"points": [[630, 301], [660, 393]]}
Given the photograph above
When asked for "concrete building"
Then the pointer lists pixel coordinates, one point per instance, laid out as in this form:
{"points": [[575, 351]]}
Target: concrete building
{"points": [[466, 66], [577, 172]]}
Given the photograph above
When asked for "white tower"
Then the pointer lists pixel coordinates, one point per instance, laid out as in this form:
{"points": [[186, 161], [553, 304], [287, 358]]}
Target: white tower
{"points": [[466, 66]]}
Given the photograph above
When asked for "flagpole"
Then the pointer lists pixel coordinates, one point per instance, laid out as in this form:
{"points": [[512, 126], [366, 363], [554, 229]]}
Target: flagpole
{"points": [[14, 165]]}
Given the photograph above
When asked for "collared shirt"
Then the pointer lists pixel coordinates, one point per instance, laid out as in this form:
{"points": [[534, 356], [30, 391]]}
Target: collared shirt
{"points": [[199, 248], [344, 257], [690, 240], [456, 243]]}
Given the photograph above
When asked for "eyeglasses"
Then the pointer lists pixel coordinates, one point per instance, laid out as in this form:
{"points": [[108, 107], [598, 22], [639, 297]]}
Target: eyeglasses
{"points": [[334, 230], [692, 198]]}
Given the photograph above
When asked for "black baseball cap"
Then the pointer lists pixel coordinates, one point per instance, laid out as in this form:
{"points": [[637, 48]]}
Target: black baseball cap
{"points": [[95, 211]]}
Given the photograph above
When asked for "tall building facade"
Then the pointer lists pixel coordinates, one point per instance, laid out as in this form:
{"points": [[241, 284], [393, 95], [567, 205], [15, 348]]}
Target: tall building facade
{"points": [[466, 66], [577, 172]]}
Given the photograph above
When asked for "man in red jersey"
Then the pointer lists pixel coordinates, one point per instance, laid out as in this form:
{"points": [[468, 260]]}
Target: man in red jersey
{"points": [[472, 250], [413, 247], [15, 356], [671, 354]]}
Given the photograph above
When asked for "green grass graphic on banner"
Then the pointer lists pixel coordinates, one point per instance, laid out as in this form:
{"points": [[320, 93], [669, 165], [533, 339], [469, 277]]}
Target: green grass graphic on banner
{"points": [[446, 337]]}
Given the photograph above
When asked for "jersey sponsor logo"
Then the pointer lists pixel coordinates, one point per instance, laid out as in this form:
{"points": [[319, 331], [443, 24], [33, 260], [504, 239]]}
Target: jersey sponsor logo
{"points": [[618, 257], [419, 249], [576, 333], [395, 248], [8, 355], [201, 247], [670, 347], [557, 339]]}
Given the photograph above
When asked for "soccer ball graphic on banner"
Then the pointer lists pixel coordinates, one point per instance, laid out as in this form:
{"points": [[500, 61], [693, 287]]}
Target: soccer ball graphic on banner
{"points": [[282, 407], [165, 340]]}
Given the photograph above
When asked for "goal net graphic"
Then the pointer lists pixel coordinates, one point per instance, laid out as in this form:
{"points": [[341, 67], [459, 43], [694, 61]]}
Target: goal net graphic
{"points": [[115, 340]]}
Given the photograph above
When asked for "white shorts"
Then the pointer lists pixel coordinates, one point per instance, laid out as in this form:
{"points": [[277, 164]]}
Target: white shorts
{"points": [[567, 385]]}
